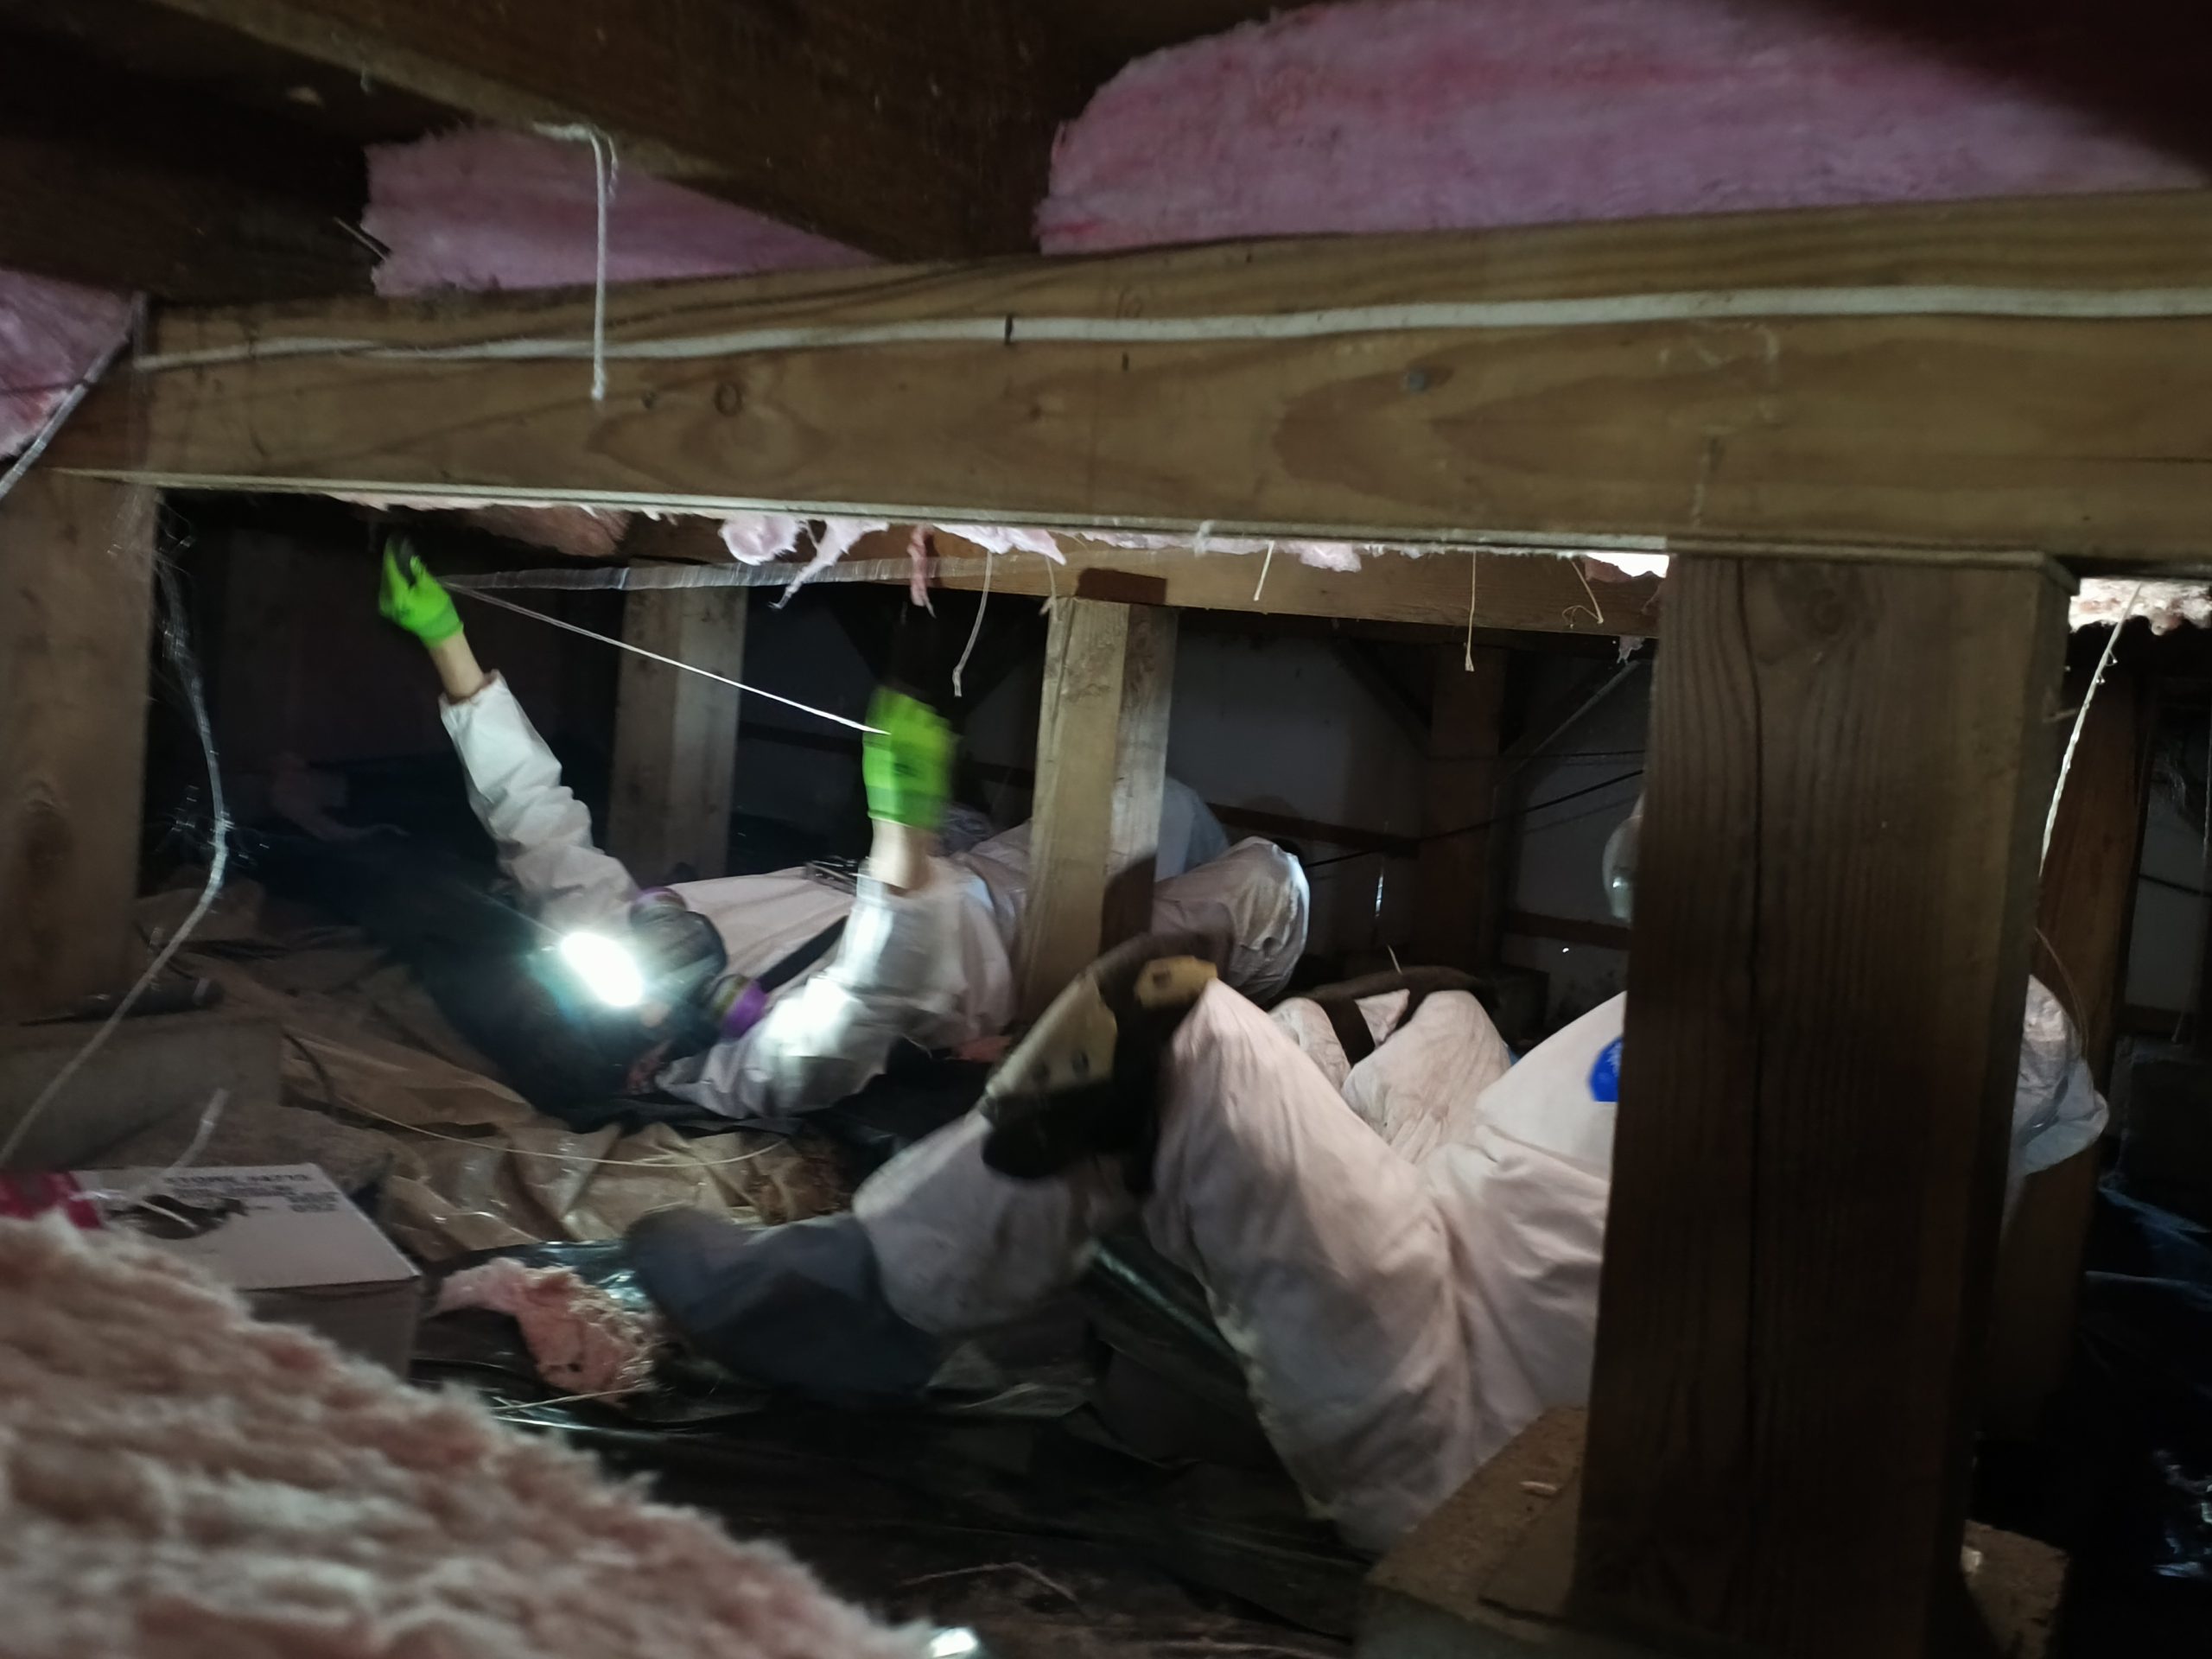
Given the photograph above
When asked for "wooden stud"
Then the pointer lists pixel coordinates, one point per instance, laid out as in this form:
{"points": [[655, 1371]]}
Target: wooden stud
{"points": [[2088, 903], [1849, 766], [2083, 919], [675, 734], [921, 130], [76, 606], [1915, 381], [1457, 926], [1102, 767]]}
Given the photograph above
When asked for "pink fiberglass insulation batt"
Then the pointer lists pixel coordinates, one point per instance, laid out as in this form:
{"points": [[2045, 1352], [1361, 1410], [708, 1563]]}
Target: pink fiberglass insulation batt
{"points": [[51, 334], [485, 209], [180, 1481], [1414, 114], [581, 1338]]}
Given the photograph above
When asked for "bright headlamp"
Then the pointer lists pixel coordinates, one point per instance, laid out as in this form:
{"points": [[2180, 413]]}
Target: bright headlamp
{"points": [[605, 967]]}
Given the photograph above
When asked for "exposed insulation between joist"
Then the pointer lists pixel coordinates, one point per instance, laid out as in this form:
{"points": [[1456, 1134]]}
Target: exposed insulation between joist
{"points": [[484, 209], [1409, 115], [2164, 605], [51, 335]]}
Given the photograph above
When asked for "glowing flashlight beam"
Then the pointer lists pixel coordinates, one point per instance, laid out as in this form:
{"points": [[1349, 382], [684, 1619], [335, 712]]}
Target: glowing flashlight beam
{"points": [[608, 969]]}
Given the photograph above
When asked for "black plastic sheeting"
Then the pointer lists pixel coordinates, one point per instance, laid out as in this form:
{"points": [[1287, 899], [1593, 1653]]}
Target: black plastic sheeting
{"points": [[1117, 1423], [1140, 1442]]}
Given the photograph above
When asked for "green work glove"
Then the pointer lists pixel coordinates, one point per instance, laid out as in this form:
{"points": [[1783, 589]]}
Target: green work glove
{"points": [[412, 597], [907, 762]]}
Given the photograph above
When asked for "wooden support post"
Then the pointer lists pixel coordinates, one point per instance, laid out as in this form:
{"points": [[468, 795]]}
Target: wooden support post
{"points": [[1850, 765], [76, 605], [2082, 920], [676, 734], [2088, 902], [1459, 923], [1102, 764]]}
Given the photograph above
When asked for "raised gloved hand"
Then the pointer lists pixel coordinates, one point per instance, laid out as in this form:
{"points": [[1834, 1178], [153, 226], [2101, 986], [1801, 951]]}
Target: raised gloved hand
{"points": [[412, 596], [907, 762]]}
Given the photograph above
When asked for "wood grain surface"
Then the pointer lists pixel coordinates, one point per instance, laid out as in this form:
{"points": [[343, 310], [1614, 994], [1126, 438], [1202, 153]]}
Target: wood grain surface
{"points": [[1282, 388], [1849, 766]]}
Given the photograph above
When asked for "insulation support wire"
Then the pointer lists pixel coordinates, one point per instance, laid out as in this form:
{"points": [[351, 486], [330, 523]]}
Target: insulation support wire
{"points": [[603, 168], [177, 644], [654, 655], [976, 632], [1595, 311], [1474, 589], [2081, 718]]}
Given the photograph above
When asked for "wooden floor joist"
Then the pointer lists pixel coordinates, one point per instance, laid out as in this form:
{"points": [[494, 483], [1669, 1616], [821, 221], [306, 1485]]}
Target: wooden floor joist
{"points": [[1921, 379]]}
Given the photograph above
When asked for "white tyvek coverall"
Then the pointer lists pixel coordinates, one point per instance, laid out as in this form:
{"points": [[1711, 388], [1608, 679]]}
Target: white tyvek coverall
{"points": [[933, 965], [1409, 1283]]}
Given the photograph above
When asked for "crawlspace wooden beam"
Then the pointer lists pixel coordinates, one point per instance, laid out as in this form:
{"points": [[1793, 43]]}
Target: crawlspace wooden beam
{"points": [[1987, 376], [675, 734], [119, 182], [1518, 592], [919, 131], [1834, 898], [1503, 594], [76, 609], [1101, 766]]}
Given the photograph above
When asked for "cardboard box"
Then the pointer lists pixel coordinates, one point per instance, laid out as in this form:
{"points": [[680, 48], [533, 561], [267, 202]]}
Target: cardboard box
{"points": [[284, 1236]]}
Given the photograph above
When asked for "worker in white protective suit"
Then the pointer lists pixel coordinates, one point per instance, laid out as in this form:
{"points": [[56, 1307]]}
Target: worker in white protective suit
{"points": [[765, 1018], [1407, 1280]]}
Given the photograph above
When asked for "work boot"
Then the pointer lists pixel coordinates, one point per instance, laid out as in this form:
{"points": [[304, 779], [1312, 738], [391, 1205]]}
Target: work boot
{"points": [[1084, 1082]]}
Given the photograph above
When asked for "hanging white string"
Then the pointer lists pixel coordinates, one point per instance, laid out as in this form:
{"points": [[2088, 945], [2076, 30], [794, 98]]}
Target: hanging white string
{"points": [[1052, 583], [604, 173], [639, 651], [2081, 718], [1596, 611], [975, 632], [1266, 565], [158, 1183], [178, 646], [1474, 585]]}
